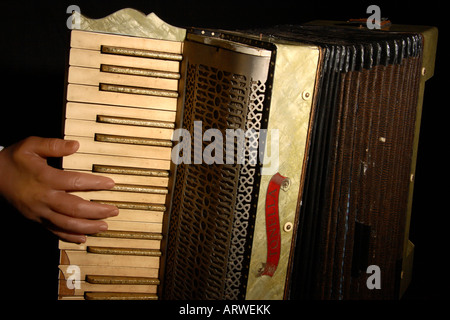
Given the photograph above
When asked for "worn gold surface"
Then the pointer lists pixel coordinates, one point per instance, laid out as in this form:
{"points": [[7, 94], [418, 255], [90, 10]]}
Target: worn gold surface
{"points": [[128, 235], [135, 122], [139, 188], [138, 90], [119, 296], [95, 279], [132, 140], [129, 170], [134, 205], [295, 73], [124, 251], [141, 53]]}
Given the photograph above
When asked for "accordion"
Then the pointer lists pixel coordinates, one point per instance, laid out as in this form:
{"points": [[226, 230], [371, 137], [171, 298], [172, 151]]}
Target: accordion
{"points": [[275, 163]]}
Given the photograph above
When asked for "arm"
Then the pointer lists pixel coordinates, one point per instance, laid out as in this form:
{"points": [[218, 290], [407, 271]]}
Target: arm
{"points": [[40, 192]]}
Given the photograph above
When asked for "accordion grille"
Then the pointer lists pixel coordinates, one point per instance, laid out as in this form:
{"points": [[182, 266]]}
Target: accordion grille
{"points": [[208, 234]]}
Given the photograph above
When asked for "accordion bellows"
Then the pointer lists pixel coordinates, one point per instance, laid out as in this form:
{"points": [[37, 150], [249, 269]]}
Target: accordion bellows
{"points": [[323, 123]]}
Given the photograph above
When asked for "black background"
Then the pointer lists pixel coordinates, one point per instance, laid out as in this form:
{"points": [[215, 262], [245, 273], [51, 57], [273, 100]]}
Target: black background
{"points": [[33, 50]]}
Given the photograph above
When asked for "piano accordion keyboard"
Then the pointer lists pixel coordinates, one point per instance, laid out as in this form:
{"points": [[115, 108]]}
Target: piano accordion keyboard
{"points": [[121, 103]]}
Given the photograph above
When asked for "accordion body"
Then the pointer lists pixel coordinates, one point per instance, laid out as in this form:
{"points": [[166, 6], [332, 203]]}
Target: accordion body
{"points": [[267, 164]]}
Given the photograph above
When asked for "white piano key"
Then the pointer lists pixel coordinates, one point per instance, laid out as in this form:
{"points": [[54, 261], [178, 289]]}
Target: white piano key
{"points": [[110, 271], [93, 59], [88, 145], [83, 128], [89, 287], [81, 258], [110, 242], [94, 41], [92, 94], [86, 111], [90, 76], [133, 226], [132, 179], [80, 161]]}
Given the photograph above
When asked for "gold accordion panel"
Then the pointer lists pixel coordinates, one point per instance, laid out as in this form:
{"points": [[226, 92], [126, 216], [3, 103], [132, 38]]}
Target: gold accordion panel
{"points": [[272, 164]]}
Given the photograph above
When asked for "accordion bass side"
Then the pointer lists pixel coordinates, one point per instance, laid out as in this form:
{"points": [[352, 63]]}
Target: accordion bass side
{"points": [[267, 164]]}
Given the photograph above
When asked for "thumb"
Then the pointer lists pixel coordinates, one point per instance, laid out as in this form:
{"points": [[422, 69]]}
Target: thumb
{"points": [[52, 147]]}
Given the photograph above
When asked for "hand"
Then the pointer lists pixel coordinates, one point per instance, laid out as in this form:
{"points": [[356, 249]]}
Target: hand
{"points": [[40, 192]]}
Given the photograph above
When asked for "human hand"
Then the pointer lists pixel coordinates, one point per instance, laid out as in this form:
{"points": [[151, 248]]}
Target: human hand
{"points": [[41, 192]]}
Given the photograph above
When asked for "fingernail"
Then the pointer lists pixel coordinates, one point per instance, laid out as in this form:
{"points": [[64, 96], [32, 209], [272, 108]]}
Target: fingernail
{"points": [[82, 239], [103, 227], [72, 144], [115, 212], [109, 183]]}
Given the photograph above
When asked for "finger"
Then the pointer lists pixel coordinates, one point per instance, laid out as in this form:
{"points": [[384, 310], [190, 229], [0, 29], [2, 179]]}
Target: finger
{"points": [[64, 235], [76, 181], [76, 207], [69, 237], [76, 226], [51, 147]]}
